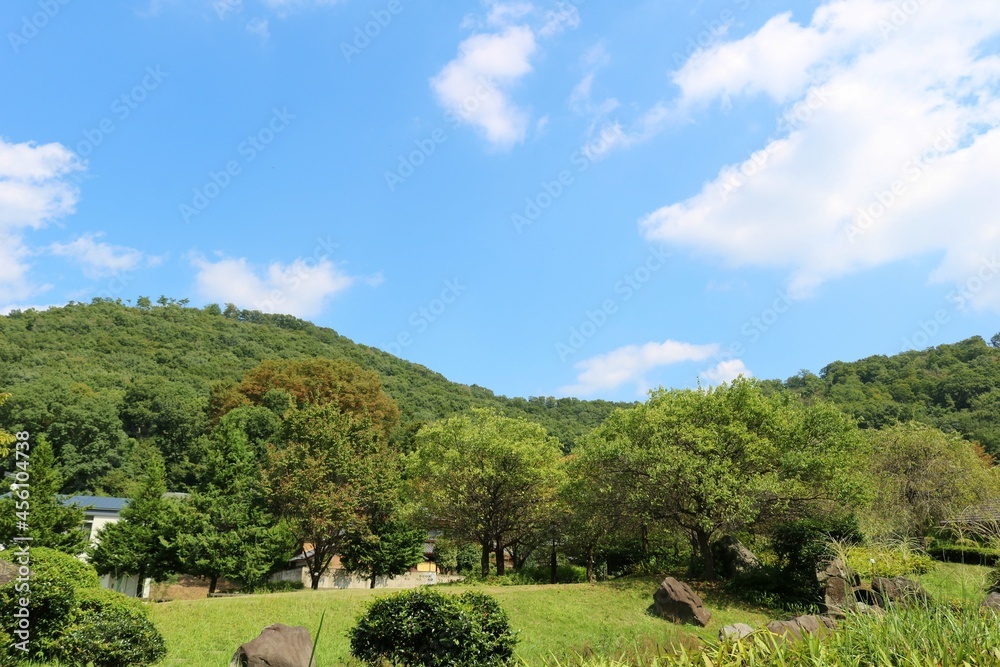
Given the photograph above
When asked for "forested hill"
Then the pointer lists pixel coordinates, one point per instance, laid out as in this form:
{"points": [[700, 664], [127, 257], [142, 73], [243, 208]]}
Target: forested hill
{"points": [[953, 387], [93, 376]]}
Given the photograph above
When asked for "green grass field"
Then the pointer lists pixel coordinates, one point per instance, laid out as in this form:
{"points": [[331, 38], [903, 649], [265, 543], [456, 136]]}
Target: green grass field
{"points": [[605, 620]]}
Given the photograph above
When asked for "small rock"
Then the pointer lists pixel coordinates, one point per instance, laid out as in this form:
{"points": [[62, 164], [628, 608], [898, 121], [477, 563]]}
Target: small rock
{"points": [[819, 626], [277, 645], [675, 601], [735, 632], [992, 601], [8, 572]]}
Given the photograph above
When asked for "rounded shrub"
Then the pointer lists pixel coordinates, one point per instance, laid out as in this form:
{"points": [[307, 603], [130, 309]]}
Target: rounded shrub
{"points": [[72, 619], [111, 630], [426, 628]]}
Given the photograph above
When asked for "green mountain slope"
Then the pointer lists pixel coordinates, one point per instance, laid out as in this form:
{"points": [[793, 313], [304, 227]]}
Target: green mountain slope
{"points": [[96, 377], [953, 387]]}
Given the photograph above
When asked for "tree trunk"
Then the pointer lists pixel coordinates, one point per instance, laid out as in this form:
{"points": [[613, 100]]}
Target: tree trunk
{"points": [[553, 563], [212, 583], [590, 564], [315, 579], [707, 558], [645, 539], [514, 557], [485, 562], [501, 564], [140, 585], [373, 581]]}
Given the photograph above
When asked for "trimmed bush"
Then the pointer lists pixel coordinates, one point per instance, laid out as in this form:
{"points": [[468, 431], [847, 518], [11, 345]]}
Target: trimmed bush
{"points": [[111, 630], [72, 619], [969, 555], [426, 628]]}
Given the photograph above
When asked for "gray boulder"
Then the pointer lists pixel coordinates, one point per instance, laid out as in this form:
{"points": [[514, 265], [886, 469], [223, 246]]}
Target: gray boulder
{"points": [[799, 626], [837, 581], [735, 632], [992, 601], [675, 601], [277, 645], [8, 572], [898, 590], [735, 557]]}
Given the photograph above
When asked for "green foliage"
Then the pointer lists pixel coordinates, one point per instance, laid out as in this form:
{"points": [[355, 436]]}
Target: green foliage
{"points": [[111, 630], [487, 478], [73, 620], [963, 553], [993, 580], [389, 547], [169, 357], [887, 560], [426, 628], [52, 523], [955, 388], [922, 477]]}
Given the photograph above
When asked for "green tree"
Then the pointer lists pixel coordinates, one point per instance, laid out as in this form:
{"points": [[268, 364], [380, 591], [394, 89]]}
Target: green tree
{"points": [[923, 476], [487, 478], [228, 531], [726, 459], [320, 478], [6, 439], [51, 523], [389, 547], [144, 541]]}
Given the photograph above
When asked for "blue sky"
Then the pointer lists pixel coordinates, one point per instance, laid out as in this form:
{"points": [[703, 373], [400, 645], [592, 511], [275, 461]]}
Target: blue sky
{"points": [[543, 198]]}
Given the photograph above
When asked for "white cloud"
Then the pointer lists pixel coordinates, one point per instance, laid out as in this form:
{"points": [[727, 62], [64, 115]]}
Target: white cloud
{"points": [[888, 140], [101, 260], [35, 189], [726, 371], [477, 86], [6, 310], [259, 29], [630, 364], [474, 86], [302, 288]]}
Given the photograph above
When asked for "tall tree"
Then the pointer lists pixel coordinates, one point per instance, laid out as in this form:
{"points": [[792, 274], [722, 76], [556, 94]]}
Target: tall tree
{"points": [[51, 523], [319, 479], [352, 389], [144, 541], [487, 478], [725, 459], [6, 439], [228, 531]]}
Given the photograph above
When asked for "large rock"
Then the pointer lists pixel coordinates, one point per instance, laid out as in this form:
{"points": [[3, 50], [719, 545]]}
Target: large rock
{"points": [[802, 625], [837, 581], [8, 572], [675, 601], [735, 632], [277, 646], [992, 601], [898, 590], [735, 557]]}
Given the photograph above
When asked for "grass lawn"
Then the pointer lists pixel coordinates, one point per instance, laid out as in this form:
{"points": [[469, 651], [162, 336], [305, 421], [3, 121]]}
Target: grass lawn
{"points": [[607, 620]]}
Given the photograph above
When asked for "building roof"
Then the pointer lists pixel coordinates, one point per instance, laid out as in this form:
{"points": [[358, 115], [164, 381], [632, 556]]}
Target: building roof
{"points": [[984, 513], [97, 503]]}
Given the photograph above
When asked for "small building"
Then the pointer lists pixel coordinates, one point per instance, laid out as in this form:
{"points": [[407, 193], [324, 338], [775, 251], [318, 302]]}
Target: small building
{"points": [[99, 512]]}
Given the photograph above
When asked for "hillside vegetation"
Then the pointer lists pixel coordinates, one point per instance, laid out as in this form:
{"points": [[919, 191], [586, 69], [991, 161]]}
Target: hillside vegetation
{"points": [[955, 388], [95, 377]]}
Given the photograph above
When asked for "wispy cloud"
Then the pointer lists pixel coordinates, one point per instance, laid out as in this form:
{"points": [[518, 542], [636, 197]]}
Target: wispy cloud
{"points": [[887, 143], [102, 260], [631, 364]]}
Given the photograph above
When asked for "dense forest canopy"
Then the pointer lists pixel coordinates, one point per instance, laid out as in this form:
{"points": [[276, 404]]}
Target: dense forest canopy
{"points": [[97, 378]]}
